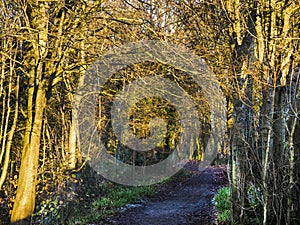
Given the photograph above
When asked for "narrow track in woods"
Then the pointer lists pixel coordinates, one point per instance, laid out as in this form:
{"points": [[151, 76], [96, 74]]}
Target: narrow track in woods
{"points": [[183, 202]]}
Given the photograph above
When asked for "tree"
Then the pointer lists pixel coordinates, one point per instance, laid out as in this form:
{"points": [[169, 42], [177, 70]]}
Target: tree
{"points": [[45, 55], [9, 93], [265, 38], [252, 47]]}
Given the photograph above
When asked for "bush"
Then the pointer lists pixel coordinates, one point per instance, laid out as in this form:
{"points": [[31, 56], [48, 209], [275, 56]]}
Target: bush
{"points": [[222, 204]]}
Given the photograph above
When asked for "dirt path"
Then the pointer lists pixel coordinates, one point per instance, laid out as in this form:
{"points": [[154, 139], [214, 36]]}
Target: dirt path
{"points": [[186, 202]]}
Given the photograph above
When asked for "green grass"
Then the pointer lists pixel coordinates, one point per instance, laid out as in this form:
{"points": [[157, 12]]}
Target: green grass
{"points": [[122, 196], [109, 204]]}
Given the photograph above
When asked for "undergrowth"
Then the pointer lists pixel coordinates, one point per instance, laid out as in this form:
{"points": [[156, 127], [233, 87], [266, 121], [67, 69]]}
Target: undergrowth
{"points": [[87, 198], [108, 205], [222, 204]]}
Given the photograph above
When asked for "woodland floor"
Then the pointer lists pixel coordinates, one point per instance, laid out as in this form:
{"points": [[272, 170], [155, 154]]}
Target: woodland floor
{"points": [[184, 201]]}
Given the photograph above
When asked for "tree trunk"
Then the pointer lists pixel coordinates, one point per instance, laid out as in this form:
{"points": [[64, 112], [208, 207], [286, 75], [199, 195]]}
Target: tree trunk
{"points": [[74, 145], [10, 134], [25, 197], [35, 60]]}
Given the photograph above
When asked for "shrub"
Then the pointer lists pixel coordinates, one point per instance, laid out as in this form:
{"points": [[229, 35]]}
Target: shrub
{"points": [[222, 204]]}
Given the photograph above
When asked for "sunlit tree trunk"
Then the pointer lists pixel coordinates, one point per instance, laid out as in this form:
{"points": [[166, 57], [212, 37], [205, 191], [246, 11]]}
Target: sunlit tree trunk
{"points": [[74, 144], [10, 134], [25, 197]]}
